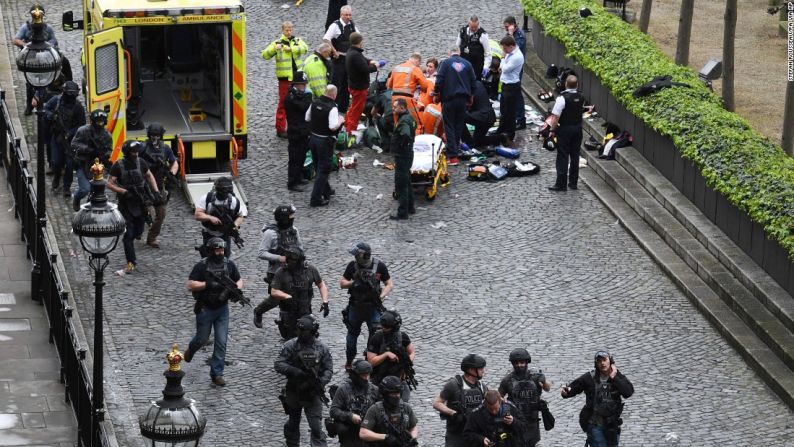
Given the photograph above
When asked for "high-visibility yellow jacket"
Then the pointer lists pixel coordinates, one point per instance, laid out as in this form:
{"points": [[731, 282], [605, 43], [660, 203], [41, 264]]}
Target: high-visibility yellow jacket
{"points": [[289, 58], [317, 71]]}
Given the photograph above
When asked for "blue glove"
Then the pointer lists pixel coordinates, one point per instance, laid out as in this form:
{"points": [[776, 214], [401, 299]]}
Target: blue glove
{"points": [[484, 72], [382, 63]]}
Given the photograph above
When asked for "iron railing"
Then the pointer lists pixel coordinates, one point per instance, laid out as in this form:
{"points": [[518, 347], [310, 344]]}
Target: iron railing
{"points": [[71, 347]]}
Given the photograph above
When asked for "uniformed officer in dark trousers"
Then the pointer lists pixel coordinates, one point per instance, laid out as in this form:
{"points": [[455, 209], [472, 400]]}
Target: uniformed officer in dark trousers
{"points": [[65, 115], [277, 238], [324, 122], [307, 364], [604, 388], [567, 114], [133, 182], [352, 400], [362, 279], [390, 422], [402, 147], [292, 287], [162, 162], [338, 35], [90, 142], [212, 308], [460, 396], [385, 349], [496, 422], [523, 387], [296, 103], [218, 204], [474, 46]]}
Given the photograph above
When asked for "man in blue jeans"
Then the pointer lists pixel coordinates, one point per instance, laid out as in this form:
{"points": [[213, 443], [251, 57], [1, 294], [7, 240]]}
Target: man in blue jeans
{"points": [[362, 278], [212, 305], [91, 141], [604, 388], [454, 89]]}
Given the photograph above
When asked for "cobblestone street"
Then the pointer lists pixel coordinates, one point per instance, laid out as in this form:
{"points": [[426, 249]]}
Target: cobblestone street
{"points": [[485, 268]]}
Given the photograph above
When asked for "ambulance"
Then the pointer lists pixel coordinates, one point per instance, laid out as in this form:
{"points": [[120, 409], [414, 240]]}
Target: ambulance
{"points": [[177, 62]]}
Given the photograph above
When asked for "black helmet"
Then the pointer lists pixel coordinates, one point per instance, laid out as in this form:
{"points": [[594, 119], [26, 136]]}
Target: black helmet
{"points": [[361, 366], [307, 323], [392, 319], [214, 242], [390, 384], [70, 88], [520, 354], [472, 361], [223, 187], [99, 116], [155, 129], [282, 212], [294, 252], [300, 78], [361, 247], [131, 146]]}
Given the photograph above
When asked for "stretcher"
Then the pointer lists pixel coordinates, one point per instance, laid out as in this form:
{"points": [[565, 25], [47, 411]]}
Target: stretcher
{"points": [[429, 169]]}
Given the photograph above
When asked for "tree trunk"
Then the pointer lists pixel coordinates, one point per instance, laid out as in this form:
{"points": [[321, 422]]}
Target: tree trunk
{"points": [[788, 119], [684, 32], [728, 41], [645, 15]]}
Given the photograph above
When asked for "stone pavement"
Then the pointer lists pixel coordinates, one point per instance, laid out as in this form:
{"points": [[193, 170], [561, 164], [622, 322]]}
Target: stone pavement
{"points": [[512, 265], [32, 407]]}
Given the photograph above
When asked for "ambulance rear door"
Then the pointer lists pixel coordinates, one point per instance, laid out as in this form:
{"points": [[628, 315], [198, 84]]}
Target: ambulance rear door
{"points": [[106, 81]]}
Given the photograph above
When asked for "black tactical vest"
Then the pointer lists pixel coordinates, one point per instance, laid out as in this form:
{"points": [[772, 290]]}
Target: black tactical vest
{"points": [[230, 207], [470, 398], [525, 394], [369, 278], [471, 48], [342, 42], [300, 288], [606, 398], [212, 298], [321, 108], [131, 176], [572, 113]]}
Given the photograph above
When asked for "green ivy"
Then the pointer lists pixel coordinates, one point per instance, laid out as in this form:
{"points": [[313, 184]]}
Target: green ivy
{"points": [[748, 169]]}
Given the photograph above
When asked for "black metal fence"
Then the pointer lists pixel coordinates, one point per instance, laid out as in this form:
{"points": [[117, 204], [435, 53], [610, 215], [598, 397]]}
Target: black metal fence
{"points": [[74, 372]]}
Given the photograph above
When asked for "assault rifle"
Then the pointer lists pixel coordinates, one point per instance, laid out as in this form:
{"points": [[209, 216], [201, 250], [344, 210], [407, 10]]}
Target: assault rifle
{"points": [[317, 386], [406, 365], [58, 129], [143, 197], [230, 289], [228, 228], [403, 436]]}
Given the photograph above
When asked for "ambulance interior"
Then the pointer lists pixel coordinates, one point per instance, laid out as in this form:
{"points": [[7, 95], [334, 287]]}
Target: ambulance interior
{"points": [[179, 78]]}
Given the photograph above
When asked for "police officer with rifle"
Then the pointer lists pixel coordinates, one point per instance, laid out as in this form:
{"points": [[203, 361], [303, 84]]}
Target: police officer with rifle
{"points": [[276, 238], [362, 278], [212, 309], [391, 353], [307, 363], [390, 422], [292, 287], [495, 423], [133, 182], [65, 114], [90, 142], [350, 403], [604, 388], [164, 167], [524, 386], [221, 213], [460, 397]]}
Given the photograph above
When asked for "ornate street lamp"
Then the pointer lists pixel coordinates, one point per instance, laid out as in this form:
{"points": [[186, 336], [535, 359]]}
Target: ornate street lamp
{"points": [[98, 224], [41, 64], [173, 420]]}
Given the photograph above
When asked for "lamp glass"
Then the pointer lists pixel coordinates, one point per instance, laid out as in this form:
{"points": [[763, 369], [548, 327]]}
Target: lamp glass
{"points": [[181, 425], [40, 65], [98, 226]]}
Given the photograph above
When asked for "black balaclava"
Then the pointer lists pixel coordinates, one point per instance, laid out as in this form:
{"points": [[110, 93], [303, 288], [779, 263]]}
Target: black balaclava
{"points": [[357, 380], [215, 258], [390, 402], [364, 260]]}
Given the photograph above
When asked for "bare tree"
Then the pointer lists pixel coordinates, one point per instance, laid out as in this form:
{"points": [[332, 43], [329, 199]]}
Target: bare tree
{"points": [[728, 43], [645, 15], [788, 120], [684, 32]]}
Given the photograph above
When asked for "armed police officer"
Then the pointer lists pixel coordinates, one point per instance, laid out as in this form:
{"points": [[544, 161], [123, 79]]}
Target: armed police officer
{"points": [[91, 141], [524, 386], [133, 182], [292, 287], [210, 282], [402, 147], [221, 213], [353, 398], [461, 396], [296, 103], [390, 422], [65, 115], [277, 237], [604, 388], [391, 353], [164, 167], [307, 363], [362, 279], [495, 423]]}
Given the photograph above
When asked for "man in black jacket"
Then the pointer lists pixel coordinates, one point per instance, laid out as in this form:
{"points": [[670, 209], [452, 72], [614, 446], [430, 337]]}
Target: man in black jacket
{"points": [[324, 123], [297, 101], [65, 115], [603, 387], [481, 115], [358, 69], [496, 423]]}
